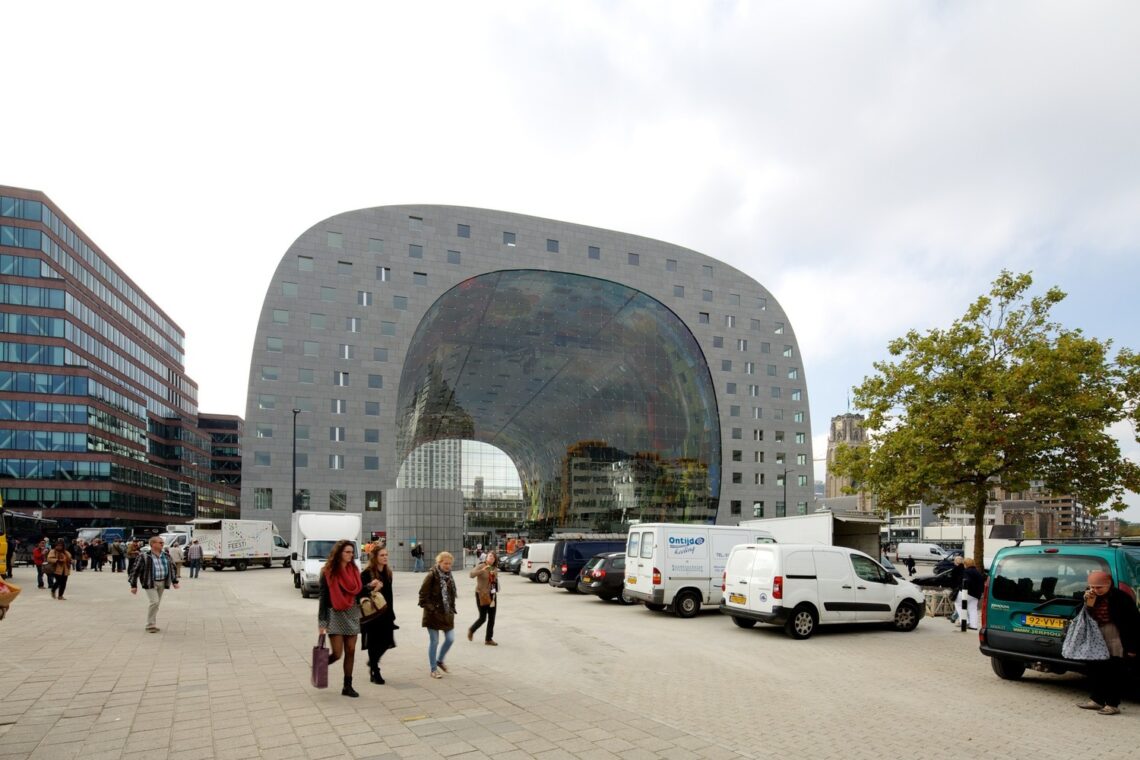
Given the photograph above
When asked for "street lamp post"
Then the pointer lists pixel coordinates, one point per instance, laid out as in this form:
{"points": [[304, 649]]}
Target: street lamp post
{"points": [[295, 413], [786, 471]]}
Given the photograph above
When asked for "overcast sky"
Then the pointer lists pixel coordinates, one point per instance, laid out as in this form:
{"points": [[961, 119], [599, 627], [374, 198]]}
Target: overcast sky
{"points": [[875, 165]]}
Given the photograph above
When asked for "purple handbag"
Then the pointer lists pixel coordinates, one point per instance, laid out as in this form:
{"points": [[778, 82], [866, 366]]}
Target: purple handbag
{"points": [[320, 675]]}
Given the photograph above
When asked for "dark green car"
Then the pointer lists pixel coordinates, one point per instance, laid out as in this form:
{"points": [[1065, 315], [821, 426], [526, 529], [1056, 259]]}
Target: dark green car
{"points": [[1032, 593]]}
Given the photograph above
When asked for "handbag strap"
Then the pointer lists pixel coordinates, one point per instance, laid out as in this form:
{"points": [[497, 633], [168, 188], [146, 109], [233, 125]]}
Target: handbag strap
{"points": [[321, 641]]}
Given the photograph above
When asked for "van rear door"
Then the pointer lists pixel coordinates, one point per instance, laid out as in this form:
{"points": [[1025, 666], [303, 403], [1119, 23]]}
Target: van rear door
{"points": [[761, 580], [640, 549], [738, 577], [835, 583]]}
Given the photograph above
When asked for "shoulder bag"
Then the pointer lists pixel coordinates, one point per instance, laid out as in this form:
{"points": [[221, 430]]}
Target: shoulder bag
{"points": [[371, 606], [1083, 639]]}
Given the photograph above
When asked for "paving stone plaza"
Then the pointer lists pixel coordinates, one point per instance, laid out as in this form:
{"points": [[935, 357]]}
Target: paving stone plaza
{"points": [[227, 677]]}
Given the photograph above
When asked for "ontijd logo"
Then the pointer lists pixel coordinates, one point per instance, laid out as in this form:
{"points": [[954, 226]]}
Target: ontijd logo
{"points": [[686, 541]]}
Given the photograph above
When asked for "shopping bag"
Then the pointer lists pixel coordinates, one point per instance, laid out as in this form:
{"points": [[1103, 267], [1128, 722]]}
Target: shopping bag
{"points": [[320, 674], [8, 592], [1083, 639]]}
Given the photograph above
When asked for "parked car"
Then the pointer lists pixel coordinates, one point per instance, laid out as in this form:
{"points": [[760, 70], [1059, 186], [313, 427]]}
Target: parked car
{"points": [[535, 562], [933, 580], [571, 554], [604, 576], [1034, 591], [948, 563], [509, 563], [802, 586]]}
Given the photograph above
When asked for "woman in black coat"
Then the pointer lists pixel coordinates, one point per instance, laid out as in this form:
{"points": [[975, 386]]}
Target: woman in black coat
{"points": [[378, 632]]}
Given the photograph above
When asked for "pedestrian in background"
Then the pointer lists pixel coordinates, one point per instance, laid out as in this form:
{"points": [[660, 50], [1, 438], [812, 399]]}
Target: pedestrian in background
{"points": [[176, 557], [59, 560], [117, 552], [956, 573], [133, 552], [418, 556], [437, 597], [486, 577], [39, 556], [973, 586], [379, 632], [155, 572], [194, 557], [1116, 615], [338, 614]]}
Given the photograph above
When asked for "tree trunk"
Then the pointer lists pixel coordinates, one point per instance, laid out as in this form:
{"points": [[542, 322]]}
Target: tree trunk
{"points": [[981, 498]]}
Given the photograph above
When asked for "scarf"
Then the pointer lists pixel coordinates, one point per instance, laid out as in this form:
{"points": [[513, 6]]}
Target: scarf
{"points": [[446, 589], [343, 587]]}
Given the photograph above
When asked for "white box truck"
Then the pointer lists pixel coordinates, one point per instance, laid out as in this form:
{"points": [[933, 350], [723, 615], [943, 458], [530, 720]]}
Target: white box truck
{"points": [[680, 565], [313, 536], [854, 530], [239, 543]]}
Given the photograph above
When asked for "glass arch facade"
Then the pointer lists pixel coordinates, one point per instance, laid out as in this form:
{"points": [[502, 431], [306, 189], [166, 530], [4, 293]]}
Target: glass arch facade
{"points": [[599, 394]]}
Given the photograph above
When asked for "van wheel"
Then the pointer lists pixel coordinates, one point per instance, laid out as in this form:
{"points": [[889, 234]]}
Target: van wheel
{"points": [[267, 563], [655, 607], [304, 593], [542, 576], [687, 604], [1010, 670], [240, 565], [802, 623], [744, 622], [906, 617], [626, 599]]}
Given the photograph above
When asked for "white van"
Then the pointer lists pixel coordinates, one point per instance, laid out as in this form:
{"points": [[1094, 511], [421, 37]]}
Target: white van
{"points": [[929, 553], [800, 586], [535, 562], [681, 565]]}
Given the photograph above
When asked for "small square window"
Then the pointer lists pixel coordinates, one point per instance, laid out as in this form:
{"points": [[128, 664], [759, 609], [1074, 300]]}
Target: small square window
{"points": [[703, 317], [771, 369], [757, 509], [375, 381], [726, 365], [310, 348], [741, 344], [733, 299], [305, 263], [375, 245], [762, 304], [738, 478], [551, 246], [758, 458], [372, 435], [679, 291], [801, 437], [734, 506], [400, 302], [336, 462], [302, 461], [387, 328], [317, 321], [265, 401], [797, 394], [775, 391], [734, 411], [798, 417], [338, 406], [270, 373], [340, 378], [757, 413], [737, 433], [344, 268], [706, 270], [289, 289], [304, 403], [718, 341], [419, 278], [280, 317], [415, 223], [730, 320], [373, 501], [789, 352], [463, 230], [757, 434], [383, 274], [453, 257], [778, 437], [371, 463], [777, 414], [337, 433], [670, 265], [594, 252], [737, 455], [765, 348], [262, 458], [706, 295], [305, 375], [363, 298], [754, 324], [415, 251], [509, 239], [779, 329], [372, 408], [750, 368], [264, 431], [327, 293], [730, 388], [801, 459], [379, 354], [352, 324], [633, 259], [346, 351]]}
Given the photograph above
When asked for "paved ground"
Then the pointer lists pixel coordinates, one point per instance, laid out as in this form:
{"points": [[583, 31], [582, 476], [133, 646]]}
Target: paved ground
{"points": [[573, 677]]}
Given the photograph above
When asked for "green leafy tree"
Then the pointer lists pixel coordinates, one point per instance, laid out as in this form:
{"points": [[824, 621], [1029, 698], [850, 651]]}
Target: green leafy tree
{"points": [[1003, 396]]}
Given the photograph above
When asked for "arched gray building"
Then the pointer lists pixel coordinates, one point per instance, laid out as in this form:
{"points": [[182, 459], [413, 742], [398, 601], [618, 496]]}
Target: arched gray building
{"points": [[625, 377]]}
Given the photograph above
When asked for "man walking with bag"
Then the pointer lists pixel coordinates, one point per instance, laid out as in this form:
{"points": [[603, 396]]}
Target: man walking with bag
{"points": [[155, 572]]}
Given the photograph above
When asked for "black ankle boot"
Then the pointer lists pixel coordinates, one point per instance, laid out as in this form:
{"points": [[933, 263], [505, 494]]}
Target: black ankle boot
{"points": [[348, 691], [374, 674], [379, 678]]}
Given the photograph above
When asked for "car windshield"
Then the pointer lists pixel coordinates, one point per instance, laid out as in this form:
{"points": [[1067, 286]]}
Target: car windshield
{"points": [[1038, 578], [318, 549]]}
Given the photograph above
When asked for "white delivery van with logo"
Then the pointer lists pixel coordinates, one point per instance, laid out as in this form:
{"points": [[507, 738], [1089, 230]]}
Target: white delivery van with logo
{"points": [[680, 566], [923, 554], [800, 586], [535, 562]]}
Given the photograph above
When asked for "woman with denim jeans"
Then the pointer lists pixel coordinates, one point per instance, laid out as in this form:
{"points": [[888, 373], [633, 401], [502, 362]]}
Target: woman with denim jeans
{"points": [[437, 597]]}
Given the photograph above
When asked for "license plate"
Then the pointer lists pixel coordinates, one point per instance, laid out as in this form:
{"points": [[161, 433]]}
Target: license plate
{"points": [[1040, 621], [737, 598], [631, 581]]}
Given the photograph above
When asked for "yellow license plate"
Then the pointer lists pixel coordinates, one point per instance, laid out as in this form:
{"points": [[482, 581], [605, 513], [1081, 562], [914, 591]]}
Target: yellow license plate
{"points": [[631, 581], [737, 598], [1039, 621]]}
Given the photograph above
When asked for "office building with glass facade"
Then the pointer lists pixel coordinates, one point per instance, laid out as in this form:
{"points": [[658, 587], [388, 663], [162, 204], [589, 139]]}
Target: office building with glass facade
{"points": [[98, 420], [626, 378]]}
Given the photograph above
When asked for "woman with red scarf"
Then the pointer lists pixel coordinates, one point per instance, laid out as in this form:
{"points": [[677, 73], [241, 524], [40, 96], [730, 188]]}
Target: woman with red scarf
{"points": [[339, 611]]}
